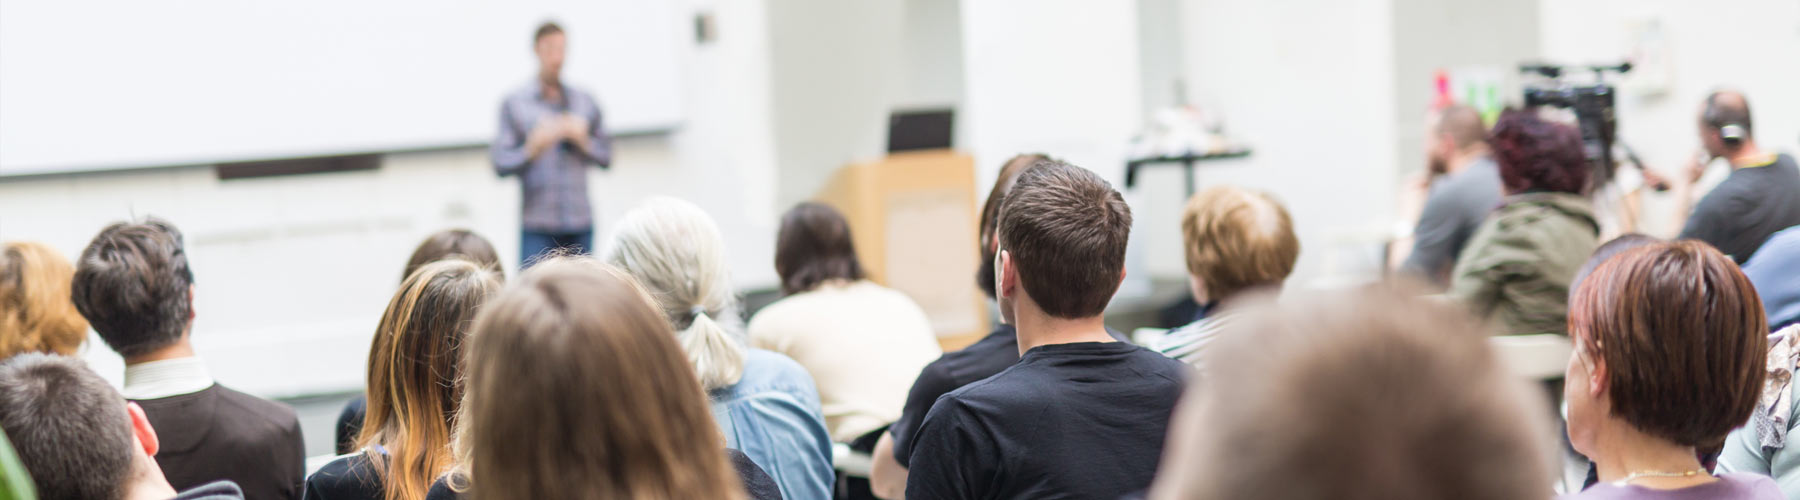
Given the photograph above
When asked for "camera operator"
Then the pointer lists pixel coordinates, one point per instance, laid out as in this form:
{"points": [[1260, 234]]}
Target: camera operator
{"points": [[1457, 202], [1759, 198]]}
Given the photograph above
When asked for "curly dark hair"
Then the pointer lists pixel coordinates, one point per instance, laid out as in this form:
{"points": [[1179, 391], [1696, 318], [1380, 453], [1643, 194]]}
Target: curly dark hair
{"points": [[1537, 155]]}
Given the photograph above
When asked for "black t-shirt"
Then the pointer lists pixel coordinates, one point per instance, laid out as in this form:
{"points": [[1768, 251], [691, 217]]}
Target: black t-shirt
{"points": [[1070, 421], [352, 477], [1749, 206], [757, 483], [986, 357]]}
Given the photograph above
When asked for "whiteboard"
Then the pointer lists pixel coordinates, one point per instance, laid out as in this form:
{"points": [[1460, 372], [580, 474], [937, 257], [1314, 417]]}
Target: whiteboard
{"points": [[94, 85]]}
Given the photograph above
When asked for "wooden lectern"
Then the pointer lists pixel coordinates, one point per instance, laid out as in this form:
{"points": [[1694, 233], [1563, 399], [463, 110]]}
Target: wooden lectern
{"points": [[913, 218]]}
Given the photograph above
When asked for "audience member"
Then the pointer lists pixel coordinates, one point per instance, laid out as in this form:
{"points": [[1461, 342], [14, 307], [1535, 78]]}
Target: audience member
{"points": [[1515, 271], [765, 403], [1669, 355], [1081, 415], [1463, 186], [1237, 241], [1761, 447], [35, 312], [863, 343], [577, 389], [1776, 272], [986, 357], [415, 383], [1370, 394], [549, 133], [449, 243], [133, 284], [1757, 199], [79, 439], [1607, 250]]}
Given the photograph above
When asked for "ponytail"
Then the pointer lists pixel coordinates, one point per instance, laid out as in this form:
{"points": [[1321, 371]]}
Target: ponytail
{"points": [[715, 355]]}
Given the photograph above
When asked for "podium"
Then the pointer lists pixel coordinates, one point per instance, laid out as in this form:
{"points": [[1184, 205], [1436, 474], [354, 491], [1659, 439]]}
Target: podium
{"points": [[913, 219]]}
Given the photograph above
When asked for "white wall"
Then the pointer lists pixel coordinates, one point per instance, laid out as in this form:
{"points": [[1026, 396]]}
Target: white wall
{"points": [[1308, 84], [292, 272], [834, 71]]}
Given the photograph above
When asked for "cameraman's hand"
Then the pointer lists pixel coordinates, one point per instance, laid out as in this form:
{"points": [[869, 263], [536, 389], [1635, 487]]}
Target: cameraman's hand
{"points": [[1696, 167]]}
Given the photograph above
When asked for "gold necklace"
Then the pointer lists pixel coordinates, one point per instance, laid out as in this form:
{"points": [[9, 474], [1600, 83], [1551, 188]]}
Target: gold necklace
{"points": [[1651, 473]]}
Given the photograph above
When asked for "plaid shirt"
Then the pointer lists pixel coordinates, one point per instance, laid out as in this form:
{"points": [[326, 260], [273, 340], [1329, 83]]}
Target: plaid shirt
{"points": [[555, 198]]}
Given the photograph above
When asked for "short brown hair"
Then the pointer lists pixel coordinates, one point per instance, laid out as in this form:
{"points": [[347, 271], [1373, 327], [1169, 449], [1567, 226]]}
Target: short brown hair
{"points": [[132, 285], [35, 312], [1237, 239], [990, 214], [68, 426], [1683, 337], [1367, 394], [544, 30], [1066, 230], [813, 247], [577, 389], [457, 243]]}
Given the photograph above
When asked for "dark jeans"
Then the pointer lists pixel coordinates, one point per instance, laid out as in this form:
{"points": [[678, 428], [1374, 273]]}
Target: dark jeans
{"points": [[533, 244]]}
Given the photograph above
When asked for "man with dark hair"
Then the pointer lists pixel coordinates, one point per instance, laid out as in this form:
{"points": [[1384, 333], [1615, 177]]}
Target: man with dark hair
{"points": [[549, 134], [1081, 415], [986, 357], [79, 439], [1758, 199], [1463, 186], [134, 286]]}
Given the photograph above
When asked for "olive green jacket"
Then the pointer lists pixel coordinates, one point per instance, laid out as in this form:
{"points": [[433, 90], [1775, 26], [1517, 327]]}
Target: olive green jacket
{"points": [[1516, 269]]}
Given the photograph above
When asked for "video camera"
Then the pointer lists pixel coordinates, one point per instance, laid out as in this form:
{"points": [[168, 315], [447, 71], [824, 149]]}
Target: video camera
{"points": [[1593, 107]]}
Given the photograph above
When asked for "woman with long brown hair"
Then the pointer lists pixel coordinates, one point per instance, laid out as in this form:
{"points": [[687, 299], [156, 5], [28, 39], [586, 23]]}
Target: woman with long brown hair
{"points": [[577, 389], [415, 387]]}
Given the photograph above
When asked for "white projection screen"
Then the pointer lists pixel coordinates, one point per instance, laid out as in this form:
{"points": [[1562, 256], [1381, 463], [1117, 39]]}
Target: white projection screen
{"points": [[112, 84]]}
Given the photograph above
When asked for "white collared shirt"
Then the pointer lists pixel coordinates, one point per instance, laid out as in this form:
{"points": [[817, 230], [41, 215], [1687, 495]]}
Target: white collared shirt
{"points": [[166, 378]]}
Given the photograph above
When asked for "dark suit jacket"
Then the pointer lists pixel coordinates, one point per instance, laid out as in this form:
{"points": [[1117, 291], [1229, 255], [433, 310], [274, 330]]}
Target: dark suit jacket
{"points": [[219, 433]]}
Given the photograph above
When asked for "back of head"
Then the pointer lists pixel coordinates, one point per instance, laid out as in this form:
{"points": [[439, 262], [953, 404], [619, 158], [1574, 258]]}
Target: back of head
{"points": [[990, 214], [1606, 251], [1066, 230], [1463, 126], [814, 247], [415, 381], [577, 390], [1238, 239], [35, 312], [460, 243], [132, 285], [1369, 394], [1538, 155], [1683, 338], [69, 427], [674, 249], [1728, 113]]}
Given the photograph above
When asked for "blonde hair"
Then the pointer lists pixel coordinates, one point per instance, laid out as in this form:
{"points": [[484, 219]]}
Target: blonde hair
{"points": [[578, 390], [36, 314], [1238, 239], [675, 251], [415, 373]]}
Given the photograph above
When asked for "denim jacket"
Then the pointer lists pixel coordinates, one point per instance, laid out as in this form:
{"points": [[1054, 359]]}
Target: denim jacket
{"points": [[772, 415]]}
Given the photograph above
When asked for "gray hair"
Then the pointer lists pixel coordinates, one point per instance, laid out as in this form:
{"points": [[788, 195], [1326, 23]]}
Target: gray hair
{"points": [[675, 250]]}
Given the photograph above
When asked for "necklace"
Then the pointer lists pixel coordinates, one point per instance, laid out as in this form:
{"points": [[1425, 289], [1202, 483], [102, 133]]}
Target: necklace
{"points": [[1651, 473]]}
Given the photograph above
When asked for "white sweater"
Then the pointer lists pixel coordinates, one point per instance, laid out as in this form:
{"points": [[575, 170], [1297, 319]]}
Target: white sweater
{"points": [[863, 343]]}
